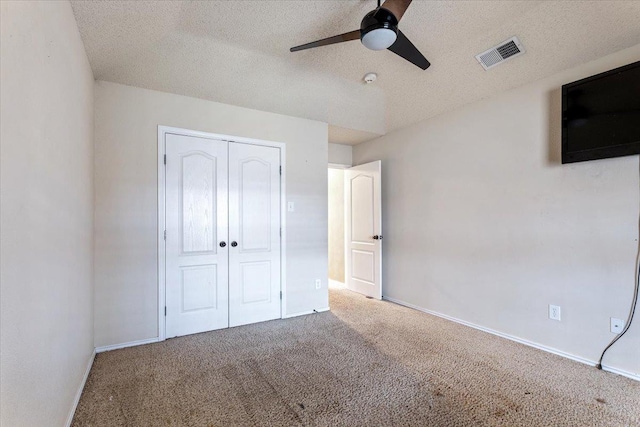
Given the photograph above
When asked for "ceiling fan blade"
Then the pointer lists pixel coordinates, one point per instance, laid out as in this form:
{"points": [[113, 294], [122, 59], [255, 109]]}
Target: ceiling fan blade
{"points": [[397, 7], [404, 48], [353, 35]]}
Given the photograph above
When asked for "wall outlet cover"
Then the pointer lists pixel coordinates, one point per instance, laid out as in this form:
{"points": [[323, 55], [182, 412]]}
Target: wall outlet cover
{"points": [[318, 283], [554, 312], [617, 325]]}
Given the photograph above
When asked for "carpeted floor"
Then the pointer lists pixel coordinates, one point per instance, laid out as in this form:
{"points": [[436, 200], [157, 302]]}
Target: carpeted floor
{"points": [[365, 363]]}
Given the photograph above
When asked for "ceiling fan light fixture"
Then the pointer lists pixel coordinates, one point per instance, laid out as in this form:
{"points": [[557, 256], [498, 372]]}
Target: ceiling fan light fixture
{"points": [[379, 39], [378, 29]]}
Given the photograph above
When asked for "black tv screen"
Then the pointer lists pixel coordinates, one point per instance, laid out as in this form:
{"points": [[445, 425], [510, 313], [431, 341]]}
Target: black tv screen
{"points": [[601, 115]]}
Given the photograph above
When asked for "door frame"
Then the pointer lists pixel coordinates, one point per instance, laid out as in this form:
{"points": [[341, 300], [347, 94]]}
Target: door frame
{"points": [[162, 132]]}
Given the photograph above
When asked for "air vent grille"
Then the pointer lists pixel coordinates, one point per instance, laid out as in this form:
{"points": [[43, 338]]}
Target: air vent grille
{"points": [[491, 58], [508, 49], [498, 54]]}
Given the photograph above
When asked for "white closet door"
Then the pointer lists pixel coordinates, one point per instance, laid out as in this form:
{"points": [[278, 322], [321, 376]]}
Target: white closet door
{"points": [[363, 226], [254, 232], [196, 224]]}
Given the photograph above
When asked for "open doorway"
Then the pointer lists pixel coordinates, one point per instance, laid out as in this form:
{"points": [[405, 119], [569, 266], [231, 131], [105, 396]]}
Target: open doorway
{"points": [[336, 226]]}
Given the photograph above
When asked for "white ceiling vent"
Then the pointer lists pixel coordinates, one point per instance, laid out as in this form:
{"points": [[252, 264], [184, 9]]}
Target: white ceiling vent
{"points": [[500, 53]]}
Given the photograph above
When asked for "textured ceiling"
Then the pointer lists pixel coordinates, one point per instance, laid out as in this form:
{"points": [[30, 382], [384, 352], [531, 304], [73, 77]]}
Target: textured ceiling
{"points": [[236, 52]]}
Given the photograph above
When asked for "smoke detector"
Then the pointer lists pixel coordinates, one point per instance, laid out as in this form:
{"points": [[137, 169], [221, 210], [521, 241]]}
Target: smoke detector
{"points": [[498, 54], [370, 78]]}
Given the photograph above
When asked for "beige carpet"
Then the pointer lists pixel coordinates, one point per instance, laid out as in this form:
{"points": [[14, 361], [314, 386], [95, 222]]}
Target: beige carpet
{"points": [[365, 363]]}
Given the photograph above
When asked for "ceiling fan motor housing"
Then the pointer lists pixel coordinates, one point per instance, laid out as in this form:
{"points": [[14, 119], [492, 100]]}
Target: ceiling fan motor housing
{"points": [[378, 29]]}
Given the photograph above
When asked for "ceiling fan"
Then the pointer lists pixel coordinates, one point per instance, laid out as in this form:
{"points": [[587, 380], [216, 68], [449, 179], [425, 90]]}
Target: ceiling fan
{"points": [[378, 31]]}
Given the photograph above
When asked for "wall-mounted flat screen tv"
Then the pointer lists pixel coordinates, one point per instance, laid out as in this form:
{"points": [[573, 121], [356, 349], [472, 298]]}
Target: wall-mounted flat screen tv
{"points": [[601, 115]]}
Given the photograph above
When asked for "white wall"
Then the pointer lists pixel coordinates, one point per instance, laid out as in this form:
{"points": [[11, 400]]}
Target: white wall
{"points": [[126, 201], [46, 213], [336, 224], [482, 222], [340, 154]]}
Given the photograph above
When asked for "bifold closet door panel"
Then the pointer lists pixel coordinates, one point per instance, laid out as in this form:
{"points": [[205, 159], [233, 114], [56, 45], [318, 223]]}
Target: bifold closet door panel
{"points": [[197, 261], [254, 233]]}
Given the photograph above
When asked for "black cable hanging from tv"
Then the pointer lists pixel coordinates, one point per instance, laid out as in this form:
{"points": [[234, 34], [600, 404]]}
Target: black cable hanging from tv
{"points": [[633, 303]]}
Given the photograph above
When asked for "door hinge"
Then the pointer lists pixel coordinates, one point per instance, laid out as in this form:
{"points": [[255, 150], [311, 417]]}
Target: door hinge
{"points": [[165, 310], [280, 232], [165, 159], [165, 234], [280, 170], [280, 294]]}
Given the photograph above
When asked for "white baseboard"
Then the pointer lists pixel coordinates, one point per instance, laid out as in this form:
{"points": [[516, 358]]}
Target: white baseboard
{"points": [[620, 372], [126, 344], [76, 400], [303, 313], [593, 363]]}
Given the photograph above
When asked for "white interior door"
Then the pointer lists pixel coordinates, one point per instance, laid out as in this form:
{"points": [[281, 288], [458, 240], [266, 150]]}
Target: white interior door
{"points": [[363, 229], [254, 232], [196, 224]]}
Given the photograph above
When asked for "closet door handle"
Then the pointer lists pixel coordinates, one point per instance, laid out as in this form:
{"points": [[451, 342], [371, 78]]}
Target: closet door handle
{"points": [[223, 244], [234, 244]]}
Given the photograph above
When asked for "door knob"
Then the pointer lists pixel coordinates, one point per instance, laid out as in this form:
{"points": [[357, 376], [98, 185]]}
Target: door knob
{"points": [[223, 244], [234, 244]]}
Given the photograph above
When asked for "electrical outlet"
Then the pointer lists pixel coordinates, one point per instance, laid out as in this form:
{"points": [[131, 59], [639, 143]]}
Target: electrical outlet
{"points": [[291, 207], [554, 312], [617, 325], [318, 283]]}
